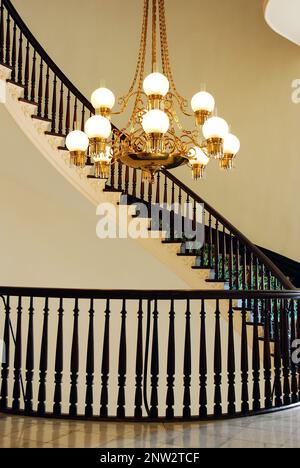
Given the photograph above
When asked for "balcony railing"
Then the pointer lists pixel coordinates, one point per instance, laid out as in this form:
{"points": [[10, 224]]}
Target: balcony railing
{"points": [[148, 354]]}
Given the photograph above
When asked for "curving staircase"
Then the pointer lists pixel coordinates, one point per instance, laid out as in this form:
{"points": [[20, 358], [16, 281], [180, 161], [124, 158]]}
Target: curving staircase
{"points": [[238, 297]]}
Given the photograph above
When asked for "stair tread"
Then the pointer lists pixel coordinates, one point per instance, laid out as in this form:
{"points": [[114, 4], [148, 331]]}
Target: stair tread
{"points": [[54, 134], [5, 65], [15, 83], [43, 119], [28, 101]]}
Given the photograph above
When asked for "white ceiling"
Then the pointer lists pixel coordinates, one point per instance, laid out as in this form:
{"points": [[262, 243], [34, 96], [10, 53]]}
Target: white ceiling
{"points": [[283, 16]]}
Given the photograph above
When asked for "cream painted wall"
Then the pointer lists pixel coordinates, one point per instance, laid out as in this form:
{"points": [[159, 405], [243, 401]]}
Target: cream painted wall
{"points": [[48, 230], [245, 65]]}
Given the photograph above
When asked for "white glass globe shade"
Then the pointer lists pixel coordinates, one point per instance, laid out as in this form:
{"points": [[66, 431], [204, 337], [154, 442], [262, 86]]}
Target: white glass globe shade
{"points": [[98, 127], [203, 101], [156, 121], [232, 144], [156, 84], [198, 156], [215, 127], [77, 141], [104, 98]]}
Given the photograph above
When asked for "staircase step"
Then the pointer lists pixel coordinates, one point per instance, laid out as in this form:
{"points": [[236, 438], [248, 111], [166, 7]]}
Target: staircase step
{"points": [[173, 241], [188, 254], [54, 134], [16, 84], [251, 324], [216, 281], [2, 64], [198, 267], [262, 339], [43, 119], [28, 101]]}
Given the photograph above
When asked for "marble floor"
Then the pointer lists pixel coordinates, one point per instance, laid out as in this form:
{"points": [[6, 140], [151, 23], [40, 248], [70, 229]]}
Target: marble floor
{"points": [[278, 430]]}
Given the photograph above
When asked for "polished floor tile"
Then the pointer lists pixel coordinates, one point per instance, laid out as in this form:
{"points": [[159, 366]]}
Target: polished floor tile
{"points": [[277, 430]]}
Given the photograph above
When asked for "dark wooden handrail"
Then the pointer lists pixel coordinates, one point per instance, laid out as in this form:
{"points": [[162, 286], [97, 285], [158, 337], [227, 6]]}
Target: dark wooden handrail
{"points": [[255, 250], [178, 295], [43, 54]]}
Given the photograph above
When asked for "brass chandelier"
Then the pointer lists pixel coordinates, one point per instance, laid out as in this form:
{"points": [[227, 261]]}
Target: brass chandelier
{"points": [[154, 137]]}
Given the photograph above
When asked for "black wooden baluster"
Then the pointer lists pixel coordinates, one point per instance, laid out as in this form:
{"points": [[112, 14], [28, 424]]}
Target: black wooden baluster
{"points": [[244, 361], [18, 360], [122, 369], [150, 192], [231, 262], [59, 362], [54, 105], [267, 357], [120, 176], [7, 42], [33, 77], [105, 364], [256, 360], [210, 246], [202, 256], [263, 277], [181, 213], [251, 272], [134, 183], [277, 359], [142, 189], [171, 365], [127, 179], [90, 367], [14, 54], [29, 362], [40, 91], [224, 256], [244, 280], [138, 402], [217, 250], [43, 362], [61, 110], [74, 363], [5, 358], [218, 364], [157, 199], [187, 370], [285, 353], [154, 365], [20, 60], [68, 113], [82, 118], [231, 363], [237, 264], [46, 106], [298, 338], [166, 191], [1, 33], [26, 73], [112, 176], [203, 364], [294, 383], [75, 116]]}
